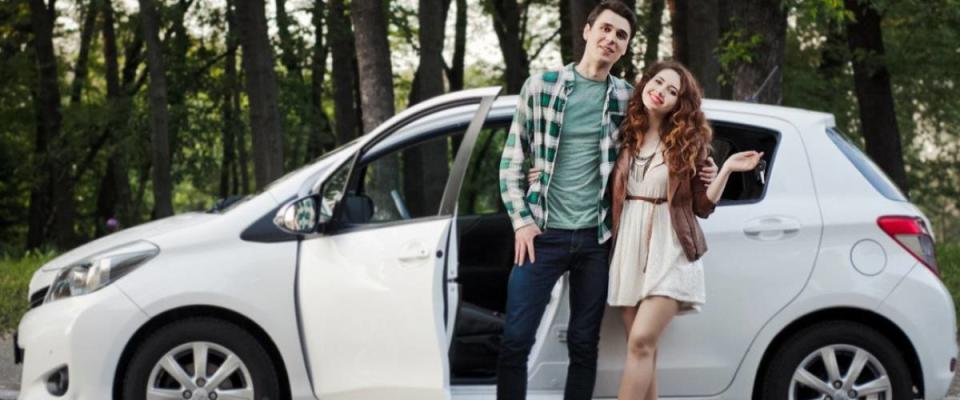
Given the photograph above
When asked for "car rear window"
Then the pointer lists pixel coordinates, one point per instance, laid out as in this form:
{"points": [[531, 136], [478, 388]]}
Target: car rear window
{"points": [[865, 165]]}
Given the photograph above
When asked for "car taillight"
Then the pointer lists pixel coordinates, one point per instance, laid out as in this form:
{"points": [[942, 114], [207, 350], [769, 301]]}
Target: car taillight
{"points": [[911, 233]]}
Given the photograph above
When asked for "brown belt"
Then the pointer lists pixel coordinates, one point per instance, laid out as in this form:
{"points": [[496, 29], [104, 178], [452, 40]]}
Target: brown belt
{"points": [[653, 200]]}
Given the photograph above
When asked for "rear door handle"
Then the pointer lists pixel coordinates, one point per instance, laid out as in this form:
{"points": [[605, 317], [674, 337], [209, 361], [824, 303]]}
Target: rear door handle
{"points": [[415, 254], [774, 227]]}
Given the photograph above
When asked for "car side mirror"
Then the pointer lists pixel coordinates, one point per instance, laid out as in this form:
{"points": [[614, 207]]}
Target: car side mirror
{"points": [[298, 217]]}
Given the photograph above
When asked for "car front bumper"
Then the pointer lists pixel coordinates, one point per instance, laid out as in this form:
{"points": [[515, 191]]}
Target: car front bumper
{"points": [[87, 334]]}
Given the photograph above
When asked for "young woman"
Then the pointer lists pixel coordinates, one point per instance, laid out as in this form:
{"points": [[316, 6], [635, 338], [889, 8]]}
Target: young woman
{"points": [[655, 270]]}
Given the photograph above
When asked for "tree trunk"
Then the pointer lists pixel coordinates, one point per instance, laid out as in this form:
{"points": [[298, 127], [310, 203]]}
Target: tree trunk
{"points": [[652, 31], [762, 79], [288, 43], [625, 67], [46, 102], [566, 33], [429, 76], [375, 79], [113, 198], [87, 32], [506, 24], [320, 134], [874, 92], [178, 71], [425, 167], [579, 10], [241, 170], [110, 52], [373, 59], [459, 48], [132, 57], [159, 118], [696, 32], [265, 120], [231, 120], [344, 73], [113, 195]]}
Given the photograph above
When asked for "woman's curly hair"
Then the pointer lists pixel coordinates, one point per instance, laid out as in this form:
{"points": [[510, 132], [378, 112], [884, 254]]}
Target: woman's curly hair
{"points": [[685, 133]]}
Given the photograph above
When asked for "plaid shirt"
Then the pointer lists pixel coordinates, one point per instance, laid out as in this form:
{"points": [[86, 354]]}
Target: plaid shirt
{"points": [[535, 132]]}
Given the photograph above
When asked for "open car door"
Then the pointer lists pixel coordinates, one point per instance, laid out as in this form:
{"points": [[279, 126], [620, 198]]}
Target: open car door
{"points": [[375, 288]]}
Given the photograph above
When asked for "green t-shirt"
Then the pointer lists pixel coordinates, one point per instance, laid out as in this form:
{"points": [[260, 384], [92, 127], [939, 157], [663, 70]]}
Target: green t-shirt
{"points": [[572, 201]]}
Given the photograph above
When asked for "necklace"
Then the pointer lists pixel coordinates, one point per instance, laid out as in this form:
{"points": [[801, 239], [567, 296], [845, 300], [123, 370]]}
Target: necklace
{"points": [[644, 162]]}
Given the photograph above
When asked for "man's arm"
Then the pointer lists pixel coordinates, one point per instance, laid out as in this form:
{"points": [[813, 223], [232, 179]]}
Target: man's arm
{"points": [[512, 192], [702, 205], [512, 187]]}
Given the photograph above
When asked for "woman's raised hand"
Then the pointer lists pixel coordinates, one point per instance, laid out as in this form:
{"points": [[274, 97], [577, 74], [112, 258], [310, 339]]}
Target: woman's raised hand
{"points": [[743, 161]]}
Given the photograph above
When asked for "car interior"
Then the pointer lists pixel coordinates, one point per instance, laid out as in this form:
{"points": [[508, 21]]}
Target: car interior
{"points": [[391, 188]]}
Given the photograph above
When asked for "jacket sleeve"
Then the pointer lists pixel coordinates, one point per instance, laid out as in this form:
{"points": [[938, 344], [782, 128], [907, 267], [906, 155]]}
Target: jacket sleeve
{"points": [[515, 150], [702, 206]]}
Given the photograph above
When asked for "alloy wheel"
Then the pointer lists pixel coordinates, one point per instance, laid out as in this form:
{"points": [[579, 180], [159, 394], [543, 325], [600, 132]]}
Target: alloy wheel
{"points": [[200, 371], [840, 372]]}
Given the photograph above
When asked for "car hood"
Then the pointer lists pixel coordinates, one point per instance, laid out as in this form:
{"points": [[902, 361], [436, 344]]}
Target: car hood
{"points": [[139, 232]]}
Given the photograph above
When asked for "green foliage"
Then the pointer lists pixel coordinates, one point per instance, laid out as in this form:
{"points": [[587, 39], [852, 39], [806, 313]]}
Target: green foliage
{"points": [[735, 47], [921, 54], [948, 259], [15, 274]]}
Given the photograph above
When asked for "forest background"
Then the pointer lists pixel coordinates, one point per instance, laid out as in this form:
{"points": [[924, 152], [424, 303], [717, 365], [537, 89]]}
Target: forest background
{"points": [[117, 112]]}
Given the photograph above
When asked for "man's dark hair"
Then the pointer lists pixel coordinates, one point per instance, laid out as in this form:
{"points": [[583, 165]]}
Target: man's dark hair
{"points": [[619, 8]]}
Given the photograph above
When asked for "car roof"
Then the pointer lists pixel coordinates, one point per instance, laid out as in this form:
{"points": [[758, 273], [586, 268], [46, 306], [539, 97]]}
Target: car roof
{"points": [[797, 116]]}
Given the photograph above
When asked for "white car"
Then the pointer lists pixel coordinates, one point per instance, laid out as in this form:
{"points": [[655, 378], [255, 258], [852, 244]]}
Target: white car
{"points": [[379, 272]]}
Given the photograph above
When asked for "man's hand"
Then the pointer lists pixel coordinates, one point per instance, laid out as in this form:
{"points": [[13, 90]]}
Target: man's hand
{"points": [[533, 176], [523, 243], [709, 172]]}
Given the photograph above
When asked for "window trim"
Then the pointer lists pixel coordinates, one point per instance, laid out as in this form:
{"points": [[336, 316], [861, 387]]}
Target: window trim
{"points": [[771, 157], [865, 166], [455, 124]]}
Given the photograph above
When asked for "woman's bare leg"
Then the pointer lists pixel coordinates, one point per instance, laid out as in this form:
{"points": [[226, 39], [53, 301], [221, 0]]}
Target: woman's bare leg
{"points": [[652, 392], [651, 319], [628, 314]]}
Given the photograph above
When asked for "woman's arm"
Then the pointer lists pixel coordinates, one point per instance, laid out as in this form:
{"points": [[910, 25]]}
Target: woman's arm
{"points": [[739, 162]]}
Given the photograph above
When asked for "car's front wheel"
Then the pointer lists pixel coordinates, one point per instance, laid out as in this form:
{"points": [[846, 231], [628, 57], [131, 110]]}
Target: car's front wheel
{"points": [[200, 359], [838, 360]]}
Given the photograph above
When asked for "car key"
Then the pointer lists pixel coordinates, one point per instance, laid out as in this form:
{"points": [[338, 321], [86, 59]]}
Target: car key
{"points": [[761, 172]]}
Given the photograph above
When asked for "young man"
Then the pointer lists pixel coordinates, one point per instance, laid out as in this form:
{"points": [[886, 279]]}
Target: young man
{"points": [[582, 104]]}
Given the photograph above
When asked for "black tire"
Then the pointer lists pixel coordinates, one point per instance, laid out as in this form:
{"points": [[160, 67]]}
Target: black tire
{"points": [[779, 375], [243, 345]]}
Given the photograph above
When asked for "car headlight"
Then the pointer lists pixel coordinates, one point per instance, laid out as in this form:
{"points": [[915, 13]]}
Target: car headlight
{"points": [[100, 270]]}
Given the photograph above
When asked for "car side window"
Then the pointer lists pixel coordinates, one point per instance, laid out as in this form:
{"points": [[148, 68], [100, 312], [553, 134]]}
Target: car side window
{"points": [[402, 182], [480, 194], [730, 138]]}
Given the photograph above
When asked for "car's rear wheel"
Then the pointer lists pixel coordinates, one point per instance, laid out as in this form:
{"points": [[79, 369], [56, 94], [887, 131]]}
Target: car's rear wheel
{"points": [[201, 359], [838, 360]]}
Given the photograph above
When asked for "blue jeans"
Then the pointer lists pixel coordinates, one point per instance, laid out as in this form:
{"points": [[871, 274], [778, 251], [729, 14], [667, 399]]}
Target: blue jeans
{"points": [[528, 292]]}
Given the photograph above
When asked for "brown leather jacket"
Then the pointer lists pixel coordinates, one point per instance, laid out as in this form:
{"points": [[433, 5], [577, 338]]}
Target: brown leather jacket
{"points": [[687, 196]]}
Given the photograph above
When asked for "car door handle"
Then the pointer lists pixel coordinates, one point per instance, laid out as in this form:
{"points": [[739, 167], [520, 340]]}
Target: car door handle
{"points": [[771, 228], [414, 254]]}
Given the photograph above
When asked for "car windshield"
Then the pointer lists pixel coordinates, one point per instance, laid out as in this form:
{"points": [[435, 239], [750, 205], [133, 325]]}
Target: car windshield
{"points": [[226, 204]]}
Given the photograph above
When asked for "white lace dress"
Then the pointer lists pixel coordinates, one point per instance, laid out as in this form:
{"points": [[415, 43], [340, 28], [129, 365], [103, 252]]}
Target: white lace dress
{"points": [[648, 259]]}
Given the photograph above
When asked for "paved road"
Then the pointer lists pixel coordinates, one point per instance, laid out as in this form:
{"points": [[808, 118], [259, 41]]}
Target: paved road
{"points": [[10, 373]]}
